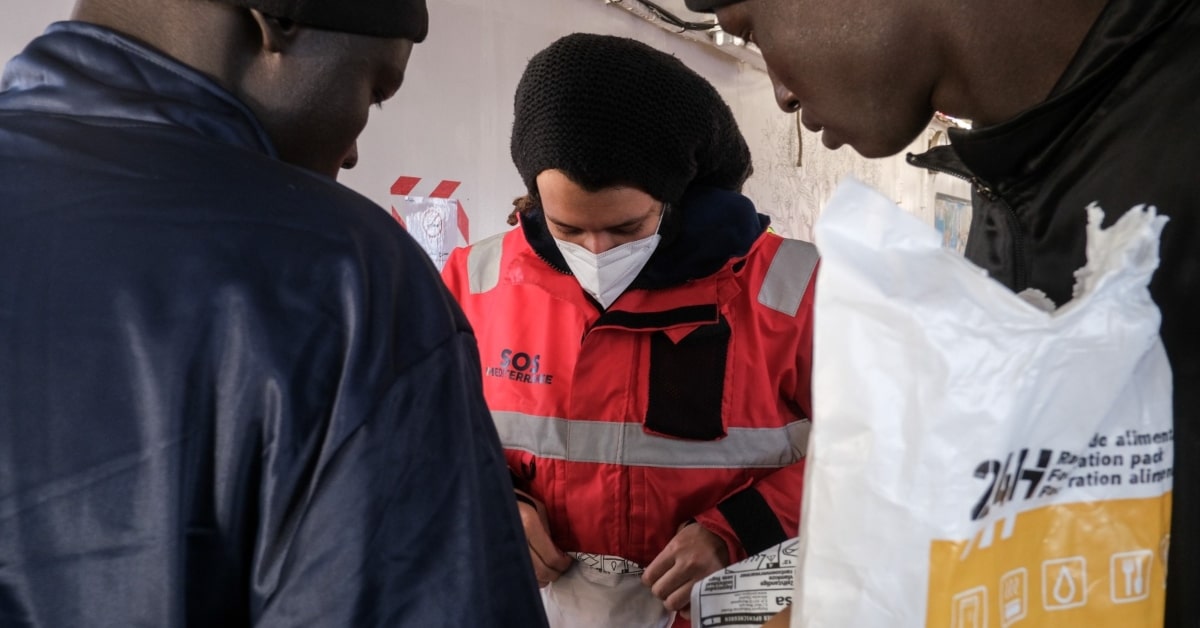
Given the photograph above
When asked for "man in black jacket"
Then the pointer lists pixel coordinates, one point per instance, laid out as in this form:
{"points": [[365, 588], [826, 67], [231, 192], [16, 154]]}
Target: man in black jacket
{"points": [[232, 391], [1072, 102]]}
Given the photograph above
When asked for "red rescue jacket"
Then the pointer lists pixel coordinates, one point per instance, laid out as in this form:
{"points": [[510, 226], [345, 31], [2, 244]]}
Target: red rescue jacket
{"points": [[681, 401]]}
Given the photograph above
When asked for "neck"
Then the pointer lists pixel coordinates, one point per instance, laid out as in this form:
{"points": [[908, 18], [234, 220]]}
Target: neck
{"points": [[208, 36], [1006, 57]]}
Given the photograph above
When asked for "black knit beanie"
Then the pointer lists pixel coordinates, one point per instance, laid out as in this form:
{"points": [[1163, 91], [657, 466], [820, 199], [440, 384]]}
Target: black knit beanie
{"points": [[407, 19], [613, 111], [707, 6]]}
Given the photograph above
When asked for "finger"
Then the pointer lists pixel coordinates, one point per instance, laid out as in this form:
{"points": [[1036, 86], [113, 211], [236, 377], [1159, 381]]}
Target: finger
{"points": [[686, 613], [544, 574], [548, 561], [659, 566], [672, 581], [549, 554], [547, 569], [680, 598]]}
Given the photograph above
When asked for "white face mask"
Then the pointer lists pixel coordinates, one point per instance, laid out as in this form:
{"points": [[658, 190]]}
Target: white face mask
{"points": [[606, 275]]}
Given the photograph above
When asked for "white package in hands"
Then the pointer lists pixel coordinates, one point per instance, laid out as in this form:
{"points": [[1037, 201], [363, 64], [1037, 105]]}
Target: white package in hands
{"points": [[977, 461]]}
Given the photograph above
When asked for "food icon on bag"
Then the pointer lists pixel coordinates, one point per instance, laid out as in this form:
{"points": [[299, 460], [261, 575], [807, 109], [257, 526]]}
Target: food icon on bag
{"points": [[1130, 576]]}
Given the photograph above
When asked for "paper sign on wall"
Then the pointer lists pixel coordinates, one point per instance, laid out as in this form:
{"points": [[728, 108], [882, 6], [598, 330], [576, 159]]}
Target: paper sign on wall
{"points": [[436, 220]]}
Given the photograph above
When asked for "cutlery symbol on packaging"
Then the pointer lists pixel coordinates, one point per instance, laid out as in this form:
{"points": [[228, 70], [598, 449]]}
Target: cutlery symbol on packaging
{"points": [[1130, 572]]}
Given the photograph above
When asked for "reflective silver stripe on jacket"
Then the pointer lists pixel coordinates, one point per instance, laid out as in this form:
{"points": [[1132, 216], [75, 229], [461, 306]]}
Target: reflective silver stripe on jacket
{"points": [[483, 264], [626, 443], [787, 278]]}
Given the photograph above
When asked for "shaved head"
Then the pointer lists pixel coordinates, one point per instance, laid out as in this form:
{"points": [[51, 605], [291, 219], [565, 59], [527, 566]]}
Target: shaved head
{"points": [[310, 88]]}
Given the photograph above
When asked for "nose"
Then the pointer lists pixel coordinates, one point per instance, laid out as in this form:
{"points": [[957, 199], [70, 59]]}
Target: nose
{"points": [[351, 158], [784, 97], [598, 242]]}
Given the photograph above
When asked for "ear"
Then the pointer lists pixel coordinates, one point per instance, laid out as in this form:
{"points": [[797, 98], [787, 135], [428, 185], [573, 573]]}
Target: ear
{"points": [[277, 33]]}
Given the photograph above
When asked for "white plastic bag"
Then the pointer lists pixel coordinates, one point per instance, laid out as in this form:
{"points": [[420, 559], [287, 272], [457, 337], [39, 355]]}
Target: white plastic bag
{"points": [[975, 460], [589, 595]]}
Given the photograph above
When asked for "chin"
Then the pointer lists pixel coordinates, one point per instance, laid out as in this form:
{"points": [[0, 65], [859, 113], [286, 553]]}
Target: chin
{"points": [[889, 136], [327, 170], [331, 172], [876, 151], [877, 147]]}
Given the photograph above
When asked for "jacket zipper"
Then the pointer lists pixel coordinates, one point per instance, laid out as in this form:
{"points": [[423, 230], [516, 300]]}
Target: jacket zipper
{"points": [[625, 518], [1019, 265], [548, 263], [1022, 279], [558, 270]]}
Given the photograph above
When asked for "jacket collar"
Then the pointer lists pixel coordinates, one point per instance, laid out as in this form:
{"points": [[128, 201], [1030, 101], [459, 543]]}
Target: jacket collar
{"points": [[81, 69], [1023, 145], [700, 234]]}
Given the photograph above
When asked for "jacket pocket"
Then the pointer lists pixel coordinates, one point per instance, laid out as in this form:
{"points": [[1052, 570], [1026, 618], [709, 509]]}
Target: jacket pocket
{"points": [[687, 383]]}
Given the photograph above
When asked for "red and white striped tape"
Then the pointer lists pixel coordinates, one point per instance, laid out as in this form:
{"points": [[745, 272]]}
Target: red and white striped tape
{"points": [[406, 186]]}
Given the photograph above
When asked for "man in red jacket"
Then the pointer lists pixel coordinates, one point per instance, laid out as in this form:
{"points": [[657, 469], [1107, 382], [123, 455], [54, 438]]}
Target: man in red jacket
{"points": [[646, 342]]}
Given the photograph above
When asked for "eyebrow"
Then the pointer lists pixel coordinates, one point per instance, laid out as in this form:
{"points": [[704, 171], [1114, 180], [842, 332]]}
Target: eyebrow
{"points": [[628, 223]]}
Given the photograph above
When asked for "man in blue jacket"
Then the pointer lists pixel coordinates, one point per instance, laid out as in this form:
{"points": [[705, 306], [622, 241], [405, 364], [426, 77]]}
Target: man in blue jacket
{"points": [[232, 391]]}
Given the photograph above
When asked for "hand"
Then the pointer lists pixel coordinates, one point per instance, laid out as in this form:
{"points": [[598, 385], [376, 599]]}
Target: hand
{"points": [[549, 562], [694, 553]]}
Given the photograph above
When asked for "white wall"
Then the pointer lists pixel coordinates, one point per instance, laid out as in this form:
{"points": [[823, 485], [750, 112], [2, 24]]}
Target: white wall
{"points": [[22, 20], [452, 118]]}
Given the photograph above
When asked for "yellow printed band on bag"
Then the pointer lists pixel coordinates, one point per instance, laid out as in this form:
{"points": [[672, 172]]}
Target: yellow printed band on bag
{"points": [[1088, 565]]}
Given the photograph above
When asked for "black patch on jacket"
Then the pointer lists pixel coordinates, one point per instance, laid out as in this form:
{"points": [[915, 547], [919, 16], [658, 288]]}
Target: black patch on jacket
{"points": [[752, 521], [687, 383]]}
